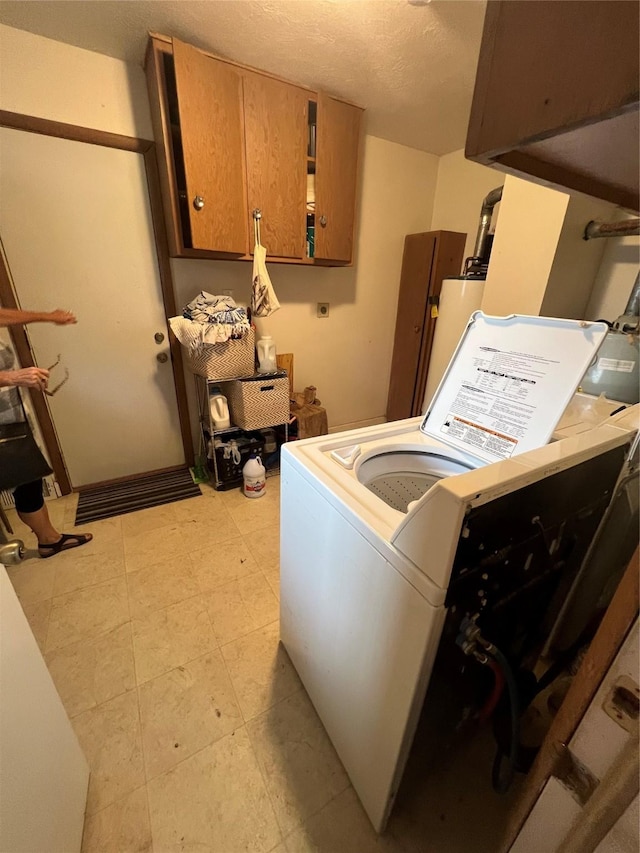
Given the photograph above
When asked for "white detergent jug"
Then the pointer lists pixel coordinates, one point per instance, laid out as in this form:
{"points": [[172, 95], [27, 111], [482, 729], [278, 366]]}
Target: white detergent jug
{"points": [[254, 477], [219, 409], [266, 355]]}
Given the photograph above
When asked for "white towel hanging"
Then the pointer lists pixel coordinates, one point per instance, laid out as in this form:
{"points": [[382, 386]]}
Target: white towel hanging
{"points": [[263, 297]]}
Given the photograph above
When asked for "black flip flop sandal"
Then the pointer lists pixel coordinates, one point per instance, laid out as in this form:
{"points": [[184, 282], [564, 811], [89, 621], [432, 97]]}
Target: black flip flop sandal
{"points": [[65, 543]]}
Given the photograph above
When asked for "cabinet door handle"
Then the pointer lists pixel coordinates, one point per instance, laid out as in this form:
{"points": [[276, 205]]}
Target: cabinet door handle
{"points": [[323, 221], [162, 357], [198, 202]]}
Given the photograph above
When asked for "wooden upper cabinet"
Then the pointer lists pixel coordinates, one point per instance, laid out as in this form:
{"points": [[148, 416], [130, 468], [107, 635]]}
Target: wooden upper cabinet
{"points": [[209, 94], [338, 135], [556, 95], [275, 116], [232, 139]]}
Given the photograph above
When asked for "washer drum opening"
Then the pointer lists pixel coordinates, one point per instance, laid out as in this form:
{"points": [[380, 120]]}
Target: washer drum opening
{"points": [[400, 477]]}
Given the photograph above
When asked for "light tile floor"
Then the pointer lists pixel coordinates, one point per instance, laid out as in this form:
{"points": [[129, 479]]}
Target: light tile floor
{"points": [[161, 636]]}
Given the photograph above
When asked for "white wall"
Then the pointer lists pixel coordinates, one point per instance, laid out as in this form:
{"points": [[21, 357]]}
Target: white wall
{"points": [[48, 79], [347, 355], [576, 261], [524, 247], [540, 263], [615, 278], [460, 191]]}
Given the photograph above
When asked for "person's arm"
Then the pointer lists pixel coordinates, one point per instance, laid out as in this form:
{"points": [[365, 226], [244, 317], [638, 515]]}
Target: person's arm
{"points": [[25, 377], [18, 317]]}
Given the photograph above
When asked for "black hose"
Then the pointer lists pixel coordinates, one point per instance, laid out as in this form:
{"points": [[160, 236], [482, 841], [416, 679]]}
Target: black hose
{"points": [[501, 784]]}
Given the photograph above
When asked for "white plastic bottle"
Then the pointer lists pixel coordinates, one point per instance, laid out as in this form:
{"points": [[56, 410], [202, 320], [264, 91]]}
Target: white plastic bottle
{"points": [[219, 409], [266, 355], [254, 477]]}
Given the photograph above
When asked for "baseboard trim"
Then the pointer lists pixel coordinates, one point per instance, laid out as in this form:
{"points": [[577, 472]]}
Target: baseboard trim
{"points": [[357, 425]]}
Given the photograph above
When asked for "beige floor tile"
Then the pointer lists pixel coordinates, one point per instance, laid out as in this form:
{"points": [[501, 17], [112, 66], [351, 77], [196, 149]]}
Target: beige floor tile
{"points": [[221, 563], [33, 580], [82, 567], [213, 801], [122, 827], [171, 637], [104, 532], [144, 520], [260, 670], [197, 509], [160, 584], [91, 672], [254, 515], [87, 613], [109, 735], [208, 532], [239, 607], [38, 614], [264, 544], [299, 764], [343, 826], [273, 579], [152, 546], [185, 710]]}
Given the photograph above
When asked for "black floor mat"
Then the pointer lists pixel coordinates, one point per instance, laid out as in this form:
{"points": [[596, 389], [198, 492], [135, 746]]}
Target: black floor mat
{"points": [[132, 495]]}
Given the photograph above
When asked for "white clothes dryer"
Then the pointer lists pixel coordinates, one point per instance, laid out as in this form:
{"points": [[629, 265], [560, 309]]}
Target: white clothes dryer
{"points": [[372, 521]]}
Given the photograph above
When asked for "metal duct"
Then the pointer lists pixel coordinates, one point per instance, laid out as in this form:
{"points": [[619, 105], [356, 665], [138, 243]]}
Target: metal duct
{"points": [[476, 265], [626, 228]]}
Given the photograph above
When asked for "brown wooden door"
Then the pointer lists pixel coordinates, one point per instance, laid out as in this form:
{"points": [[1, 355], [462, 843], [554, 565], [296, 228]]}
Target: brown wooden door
{"points": [[212, 130], [338, 135], [428, 259], [275, 115]]}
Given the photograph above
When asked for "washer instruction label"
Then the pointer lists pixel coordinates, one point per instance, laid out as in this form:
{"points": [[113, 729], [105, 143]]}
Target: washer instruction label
{"points": [[509, 381], [618, 364], [479, 436]]}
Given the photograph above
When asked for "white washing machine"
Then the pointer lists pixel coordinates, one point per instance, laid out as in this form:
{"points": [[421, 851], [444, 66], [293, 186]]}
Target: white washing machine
{"points": [[371, 521]]}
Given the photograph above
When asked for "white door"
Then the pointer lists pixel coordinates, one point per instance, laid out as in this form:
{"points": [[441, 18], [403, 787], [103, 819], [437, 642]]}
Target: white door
{"points": [[76, 226]]}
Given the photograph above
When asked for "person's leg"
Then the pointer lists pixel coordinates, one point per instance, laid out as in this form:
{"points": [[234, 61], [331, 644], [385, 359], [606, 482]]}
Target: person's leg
{"points": [[32, 510]]}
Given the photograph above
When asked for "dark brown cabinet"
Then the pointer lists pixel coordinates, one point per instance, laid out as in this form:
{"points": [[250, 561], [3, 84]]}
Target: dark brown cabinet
{"points": [[428, 259], [557, 93]]}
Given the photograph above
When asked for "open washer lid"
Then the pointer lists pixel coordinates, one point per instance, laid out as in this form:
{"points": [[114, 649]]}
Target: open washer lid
{"points": [[508, 383]]}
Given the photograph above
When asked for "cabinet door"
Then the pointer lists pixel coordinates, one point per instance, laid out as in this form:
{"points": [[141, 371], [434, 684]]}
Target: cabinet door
{"points": [[212, 129], [338, 134], [275, 115]]}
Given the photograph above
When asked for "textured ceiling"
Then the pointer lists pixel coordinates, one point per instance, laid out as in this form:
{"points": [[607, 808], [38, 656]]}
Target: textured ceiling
{"points": [[411, 66]]}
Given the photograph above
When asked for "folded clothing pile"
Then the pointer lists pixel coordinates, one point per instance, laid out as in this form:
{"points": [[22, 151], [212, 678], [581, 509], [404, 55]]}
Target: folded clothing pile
{"points": [[209, 319]]}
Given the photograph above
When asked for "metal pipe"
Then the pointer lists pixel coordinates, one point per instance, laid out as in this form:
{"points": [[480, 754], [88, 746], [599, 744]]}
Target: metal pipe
{"points": [[626, 228], [485, 220], [476, 265], [633, 305]]}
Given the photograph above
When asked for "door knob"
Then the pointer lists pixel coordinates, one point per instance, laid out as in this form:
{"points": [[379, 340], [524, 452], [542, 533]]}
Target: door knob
{"points": [[162, 357], [158, 337], [198, 202], [323, 221]]}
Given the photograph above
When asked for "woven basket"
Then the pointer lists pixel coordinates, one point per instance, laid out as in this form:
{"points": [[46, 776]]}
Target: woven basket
{"points": [[259, 401], [235, 357]]}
